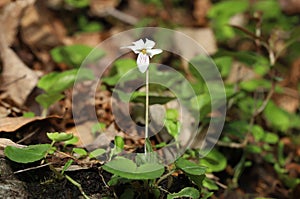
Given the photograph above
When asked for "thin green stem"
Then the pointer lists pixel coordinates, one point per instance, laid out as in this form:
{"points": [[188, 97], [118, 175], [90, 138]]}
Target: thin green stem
{"points": [[146, 111]]}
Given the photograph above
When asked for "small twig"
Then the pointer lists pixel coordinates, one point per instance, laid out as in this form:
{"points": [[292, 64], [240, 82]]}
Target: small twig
{"points": [[216, 179], [28, 136], [164, 190], [231, 144], [33, 168], [164, 177], [265, 102], [122, 16]]}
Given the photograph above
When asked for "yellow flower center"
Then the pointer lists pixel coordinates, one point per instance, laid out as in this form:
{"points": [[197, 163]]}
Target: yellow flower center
{"points": [[144, 51]]}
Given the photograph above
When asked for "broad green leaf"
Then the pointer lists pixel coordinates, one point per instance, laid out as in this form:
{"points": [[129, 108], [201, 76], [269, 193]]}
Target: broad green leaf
{"points": [[81, 152], [47, 99], [210, 184], [214, 161], [253, 149], [277, 117], [27, 154], [122, 66], [57, 82], [72, 141], [257, 132], [224, 63], [190, 167], [86, 25], [172, 114], [271, 138], [189, 192], [59, 137], [221, 12], [96, 153], [254, 84], [74, 55], [119, 69], [128, 169]]}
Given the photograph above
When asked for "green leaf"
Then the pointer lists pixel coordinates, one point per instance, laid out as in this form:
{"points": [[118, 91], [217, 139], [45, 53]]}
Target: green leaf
{"points": [[277, 117], [27, 154], [190, 167], [66, 166], [258, 132], [46, 99], [96, 153], [28, 114], [224, 63], [271, 138], [78, 3], [81, 152], [98, 127], [128, 169], [119, 69], [221, 12], [253, 149], [119, 144], [72, 141], [59, 137], [210, 184], [254, 84], [58, 82], [214, 161], [74, 55], [173, 128], [189, 192], [172, 114]]}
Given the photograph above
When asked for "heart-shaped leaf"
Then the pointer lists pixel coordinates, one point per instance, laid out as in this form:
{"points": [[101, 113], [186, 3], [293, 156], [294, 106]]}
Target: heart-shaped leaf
{"points": [[27, 154], [128, 169]]}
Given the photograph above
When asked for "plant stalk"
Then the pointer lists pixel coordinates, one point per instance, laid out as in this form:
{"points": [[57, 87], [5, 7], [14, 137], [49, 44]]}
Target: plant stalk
{"points": [[146, 111]]}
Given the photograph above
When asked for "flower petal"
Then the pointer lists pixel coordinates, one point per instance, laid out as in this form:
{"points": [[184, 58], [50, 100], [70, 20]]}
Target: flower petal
{"points": [[139, 44], [142, 62], [149, 44], [153, 52], [135, 49]]}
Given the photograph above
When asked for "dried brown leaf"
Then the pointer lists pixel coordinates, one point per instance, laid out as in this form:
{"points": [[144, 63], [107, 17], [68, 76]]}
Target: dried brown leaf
{"points": [[11, 124]]}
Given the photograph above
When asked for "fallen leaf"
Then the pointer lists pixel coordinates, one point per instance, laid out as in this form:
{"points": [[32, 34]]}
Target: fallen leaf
{"points": [[16, 74], [9, 20], [11, 124], [17, 79]]}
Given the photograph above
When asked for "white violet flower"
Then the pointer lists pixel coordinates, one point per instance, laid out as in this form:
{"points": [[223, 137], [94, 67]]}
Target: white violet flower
{"points": [[144, 49]]}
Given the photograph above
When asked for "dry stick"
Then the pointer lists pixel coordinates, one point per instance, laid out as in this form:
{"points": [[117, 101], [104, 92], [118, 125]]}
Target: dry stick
{"points": [[147, 111], [122, 16], [33, 168]]}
